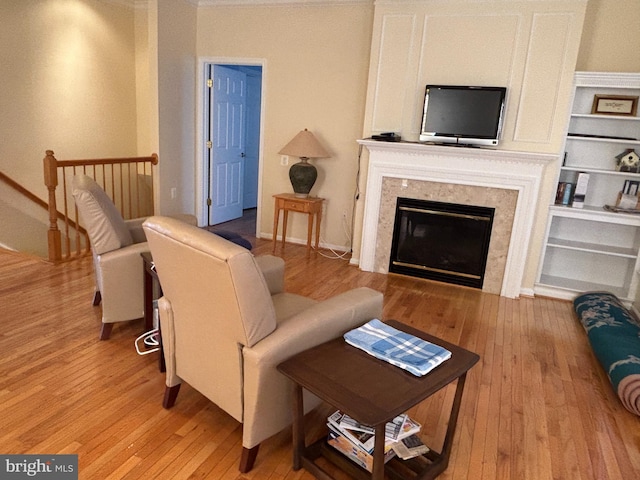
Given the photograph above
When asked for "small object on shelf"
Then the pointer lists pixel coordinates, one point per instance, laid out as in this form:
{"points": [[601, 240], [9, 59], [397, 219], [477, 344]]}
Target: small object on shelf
{"points": [[627, 202], [631, 187], [560, 192], [614, 209], [581, 190], [628, 161], [615, 105], [566, 194], [603, 137]]}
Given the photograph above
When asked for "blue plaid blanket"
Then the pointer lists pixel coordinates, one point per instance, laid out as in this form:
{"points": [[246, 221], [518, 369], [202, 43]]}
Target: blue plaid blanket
{"points": [[396, 347]]}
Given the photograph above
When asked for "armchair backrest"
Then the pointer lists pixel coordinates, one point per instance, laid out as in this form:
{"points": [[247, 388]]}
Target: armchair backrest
{"points": [[106, 228], [219, 302]]}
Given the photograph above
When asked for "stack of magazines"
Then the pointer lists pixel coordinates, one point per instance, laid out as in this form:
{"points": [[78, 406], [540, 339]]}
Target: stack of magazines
{"points": [[356, 440]]}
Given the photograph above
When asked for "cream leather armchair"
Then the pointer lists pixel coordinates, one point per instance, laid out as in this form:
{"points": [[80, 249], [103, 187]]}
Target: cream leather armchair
{"points": [[116, 246], [227, 323]]}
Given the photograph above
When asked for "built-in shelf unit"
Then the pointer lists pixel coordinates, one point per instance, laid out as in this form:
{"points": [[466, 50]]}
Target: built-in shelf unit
{"points": [[590, 248]]}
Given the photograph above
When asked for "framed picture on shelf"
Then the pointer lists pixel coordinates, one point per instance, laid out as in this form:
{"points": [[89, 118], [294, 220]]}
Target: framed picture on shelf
{"points": [[615, 105]]}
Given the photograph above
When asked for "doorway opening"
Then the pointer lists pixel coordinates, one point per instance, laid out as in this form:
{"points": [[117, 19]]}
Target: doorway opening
{"points": [[232, 109]]}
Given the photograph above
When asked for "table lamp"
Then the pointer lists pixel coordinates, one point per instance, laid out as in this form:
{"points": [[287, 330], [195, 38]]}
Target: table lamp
{"points": [[302, 174]]}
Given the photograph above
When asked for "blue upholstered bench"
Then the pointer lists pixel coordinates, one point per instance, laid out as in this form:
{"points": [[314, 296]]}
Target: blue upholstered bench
{"points": [[614, 334]]}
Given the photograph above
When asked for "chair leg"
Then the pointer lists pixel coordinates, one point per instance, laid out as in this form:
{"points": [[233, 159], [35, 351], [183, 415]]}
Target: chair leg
{"points": [[105, 331], [97, 298], [248, 458], [170, 394]]}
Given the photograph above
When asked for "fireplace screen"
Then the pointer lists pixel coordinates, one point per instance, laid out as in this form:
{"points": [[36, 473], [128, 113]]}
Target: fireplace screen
{"points": [[441, 241]]}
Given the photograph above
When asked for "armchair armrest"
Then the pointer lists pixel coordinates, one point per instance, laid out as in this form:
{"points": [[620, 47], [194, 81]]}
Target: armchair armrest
{"points": [[137, 233], [321, 322], [120, 273], [273, 270], [134, 226]]}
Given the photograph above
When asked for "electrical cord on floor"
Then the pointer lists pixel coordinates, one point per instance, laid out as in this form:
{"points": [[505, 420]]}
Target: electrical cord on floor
{"points": [[349, 232], [336, 255]]}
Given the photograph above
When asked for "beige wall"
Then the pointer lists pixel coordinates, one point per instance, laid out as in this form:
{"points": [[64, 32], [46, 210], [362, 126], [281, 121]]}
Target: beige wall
{"points": [[176, 113], [611, 37], [68, 84], [315, 74]]}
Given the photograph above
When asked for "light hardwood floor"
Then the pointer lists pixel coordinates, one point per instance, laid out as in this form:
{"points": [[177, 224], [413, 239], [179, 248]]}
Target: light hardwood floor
{"points": [[536, 406]]}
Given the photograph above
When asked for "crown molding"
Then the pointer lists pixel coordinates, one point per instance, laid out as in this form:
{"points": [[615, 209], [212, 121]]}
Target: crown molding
{"points": [[141, 4], [243, 3]]}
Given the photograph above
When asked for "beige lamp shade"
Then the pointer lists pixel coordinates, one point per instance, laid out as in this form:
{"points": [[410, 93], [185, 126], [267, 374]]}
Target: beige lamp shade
{"points": [[304, 145]]}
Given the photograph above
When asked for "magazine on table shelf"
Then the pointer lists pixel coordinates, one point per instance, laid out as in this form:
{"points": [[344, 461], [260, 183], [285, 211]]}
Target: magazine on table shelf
{"points": [[392, 428], [410, 447], [353, 452], [356, 440]]}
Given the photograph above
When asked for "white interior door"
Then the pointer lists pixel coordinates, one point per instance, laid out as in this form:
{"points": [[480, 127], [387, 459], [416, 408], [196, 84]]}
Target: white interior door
{"points": [[226, 143]]}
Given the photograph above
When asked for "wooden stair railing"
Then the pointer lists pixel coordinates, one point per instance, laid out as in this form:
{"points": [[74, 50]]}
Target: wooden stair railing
{"points": [[37, 200], [127, 181]]}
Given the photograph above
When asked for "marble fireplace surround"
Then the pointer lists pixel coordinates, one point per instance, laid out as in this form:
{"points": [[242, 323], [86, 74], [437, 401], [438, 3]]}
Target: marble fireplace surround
{"points": [[506, 180]]}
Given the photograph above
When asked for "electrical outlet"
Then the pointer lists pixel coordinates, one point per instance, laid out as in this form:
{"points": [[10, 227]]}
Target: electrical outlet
{"points": [[174, 192], [284, 160], [344, 214]]}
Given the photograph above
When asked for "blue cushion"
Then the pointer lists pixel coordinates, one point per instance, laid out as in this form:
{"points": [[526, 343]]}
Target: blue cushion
{"points": [[235, 238]]}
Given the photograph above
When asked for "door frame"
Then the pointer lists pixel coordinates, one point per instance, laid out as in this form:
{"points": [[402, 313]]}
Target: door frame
{"points": [[201, 180]]}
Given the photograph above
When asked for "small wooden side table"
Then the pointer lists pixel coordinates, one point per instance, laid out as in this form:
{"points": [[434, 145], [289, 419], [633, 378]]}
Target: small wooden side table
{"points": [[373, 392], [312, 206]]}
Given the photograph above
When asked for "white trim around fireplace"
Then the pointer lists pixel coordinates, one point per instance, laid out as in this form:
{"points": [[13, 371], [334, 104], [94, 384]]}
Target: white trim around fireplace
{"points": [[502, 169]]}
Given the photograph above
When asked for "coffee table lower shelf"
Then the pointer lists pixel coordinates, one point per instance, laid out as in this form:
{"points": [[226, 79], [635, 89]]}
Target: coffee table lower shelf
{"points": [[422, 467]]}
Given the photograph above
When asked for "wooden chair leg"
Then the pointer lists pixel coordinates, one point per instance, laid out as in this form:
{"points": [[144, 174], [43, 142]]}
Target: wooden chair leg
{"points": [[105, 331], [248, 458], [170, 394], [97, 298]]}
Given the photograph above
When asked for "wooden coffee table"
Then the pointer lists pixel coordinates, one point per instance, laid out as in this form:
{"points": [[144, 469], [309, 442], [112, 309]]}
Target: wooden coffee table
{"points": [[373, 392]]}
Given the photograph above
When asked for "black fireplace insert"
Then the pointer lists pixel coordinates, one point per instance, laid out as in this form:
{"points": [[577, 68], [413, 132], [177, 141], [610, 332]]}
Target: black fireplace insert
{"points": [[441, 241]]}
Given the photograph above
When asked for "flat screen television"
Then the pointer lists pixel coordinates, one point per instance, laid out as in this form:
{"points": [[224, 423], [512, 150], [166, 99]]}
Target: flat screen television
{"points": [[463, 115]]}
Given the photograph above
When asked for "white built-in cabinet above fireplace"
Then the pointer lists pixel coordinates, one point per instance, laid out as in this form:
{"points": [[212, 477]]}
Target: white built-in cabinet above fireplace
{"points": [[590, 248]]}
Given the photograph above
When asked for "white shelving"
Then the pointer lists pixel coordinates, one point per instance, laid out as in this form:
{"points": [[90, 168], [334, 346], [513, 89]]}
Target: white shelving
{"points": [[591, 248]]}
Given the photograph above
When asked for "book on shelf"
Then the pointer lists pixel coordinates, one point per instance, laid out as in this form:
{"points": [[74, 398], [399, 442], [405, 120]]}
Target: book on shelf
{"points": [[568, 191], [580, 190], [564, 193]]}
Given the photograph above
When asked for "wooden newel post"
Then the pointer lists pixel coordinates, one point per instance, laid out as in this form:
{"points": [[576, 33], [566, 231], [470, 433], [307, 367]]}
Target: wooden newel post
{"points": [[51, 181]]}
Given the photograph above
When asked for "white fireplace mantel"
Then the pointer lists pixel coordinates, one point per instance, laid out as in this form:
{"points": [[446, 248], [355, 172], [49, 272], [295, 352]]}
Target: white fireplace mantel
{"points": [[502, 169]]}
